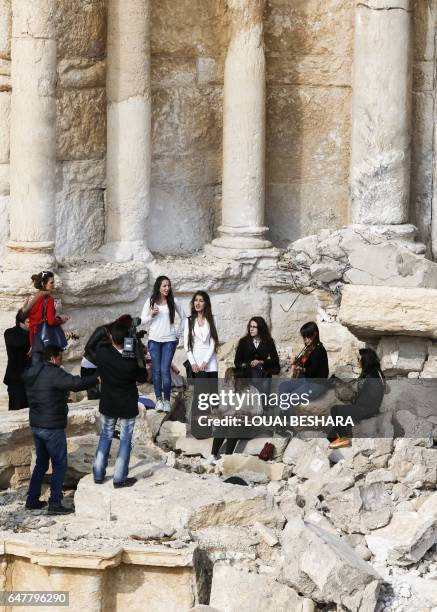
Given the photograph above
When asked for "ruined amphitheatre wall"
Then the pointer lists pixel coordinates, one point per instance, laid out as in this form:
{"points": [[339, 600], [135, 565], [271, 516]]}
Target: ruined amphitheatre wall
{"points": [[309, 47]]}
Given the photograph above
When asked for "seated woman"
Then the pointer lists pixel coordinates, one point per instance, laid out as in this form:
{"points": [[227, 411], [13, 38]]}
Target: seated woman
{"points": [[309, 376], [256, 356], [370, 393]]}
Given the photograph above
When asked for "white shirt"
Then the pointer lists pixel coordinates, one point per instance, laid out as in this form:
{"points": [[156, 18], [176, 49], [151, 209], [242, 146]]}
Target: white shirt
{"points": [[203, 346], [160, 328]]}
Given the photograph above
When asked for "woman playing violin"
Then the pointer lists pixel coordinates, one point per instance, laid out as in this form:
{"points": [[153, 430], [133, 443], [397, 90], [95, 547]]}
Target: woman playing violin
{"points": [[310, 368]]}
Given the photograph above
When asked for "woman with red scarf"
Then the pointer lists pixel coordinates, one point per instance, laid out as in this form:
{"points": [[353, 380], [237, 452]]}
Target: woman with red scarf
{"points": [[42, 309]]}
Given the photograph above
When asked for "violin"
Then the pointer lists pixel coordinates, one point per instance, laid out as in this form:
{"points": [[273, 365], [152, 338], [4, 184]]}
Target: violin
{"points": [[301, 359]]}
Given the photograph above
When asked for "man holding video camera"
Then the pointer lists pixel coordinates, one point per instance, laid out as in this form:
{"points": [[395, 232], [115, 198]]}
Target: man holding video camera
{"points": [[119, 371]]}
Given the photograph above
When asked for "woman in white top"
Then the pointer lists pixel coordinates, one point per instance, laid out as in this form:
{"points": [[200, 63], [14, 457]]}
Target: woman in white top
{"points": [[159, 313], [200, 337]]}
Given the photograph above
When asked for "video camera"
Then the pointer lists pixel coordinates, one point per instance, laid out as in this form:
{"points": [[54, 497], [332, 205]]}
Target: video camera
{"points": [[133, 347]]}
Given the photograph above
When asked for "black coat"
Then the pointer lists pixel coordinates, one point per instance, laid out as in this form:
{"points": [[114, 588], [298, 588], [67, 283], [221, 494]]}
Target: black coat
{"points": [[99, 335], [17, 346], [370, 393], [119, 375], [247, 352], [317, 364], [47, 386]]}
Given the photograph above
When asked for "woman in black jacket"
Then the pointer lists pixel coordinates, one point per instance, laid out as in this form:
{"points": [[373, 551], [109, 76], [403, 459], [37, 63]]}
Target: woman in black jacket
{"points": [[17, 347], [256, 356], [370, 393]]}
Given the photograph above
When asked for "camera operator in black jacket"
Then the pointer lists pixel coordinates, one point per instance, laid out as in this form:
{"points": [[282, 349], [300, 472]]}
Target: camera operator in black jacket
{"points": [[119, 402], [47, 386]]}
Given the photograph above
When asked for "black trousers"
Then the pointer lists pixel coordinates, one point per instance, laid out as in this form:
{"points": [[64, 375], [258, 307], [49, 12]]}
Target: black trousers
{"points": [[358, 413], [17, 396], [231, 443], [94, 392]]}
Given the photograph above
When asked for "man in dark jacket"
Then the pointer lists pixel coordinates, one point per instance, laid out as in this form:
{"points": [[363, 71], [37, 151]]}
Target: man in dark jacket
{"points": [[17, 347], [47, 387], [119, 401]]}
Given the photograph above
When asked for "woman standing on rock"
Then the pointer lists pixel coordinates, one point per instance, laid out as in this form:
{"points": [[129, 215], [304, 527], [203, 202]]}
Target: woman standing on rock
{"points": [[200, 337], [370, 393], [159, 313], [42, 310], [256, 356]]}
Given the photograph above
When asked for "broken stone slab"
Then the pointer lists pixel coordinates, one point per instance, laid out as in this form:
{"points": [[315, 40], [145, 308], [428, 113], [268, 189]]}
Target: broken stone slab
{"points": [[234, 464], [172, 499], [229, 539], [401, 355], [312, 464], [375, 311], [170, 432], [326, 272], [323, 567], [412, 462], [266, 534], [405, 540], [191, 447], [236, 589]]}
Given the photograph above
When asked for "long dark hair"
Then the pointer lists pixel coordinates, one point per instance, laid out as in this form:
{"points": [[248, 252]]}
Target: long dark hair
{"points": [[369, 361], [207, 313], [156, 296], [40, 280], [263, 329], [310, 330]]}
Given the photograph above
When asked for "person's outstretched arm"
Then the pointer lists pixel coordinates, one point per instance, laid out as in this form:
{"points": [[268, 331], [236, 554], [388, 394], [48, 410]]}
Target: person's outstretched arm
{"points": [[69, 382]]}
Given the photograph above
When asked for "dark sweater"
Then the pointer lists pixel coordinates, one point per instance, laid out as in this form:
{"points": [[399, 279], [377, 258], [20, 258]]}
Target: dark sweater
{"points": [[17, 346], [47, 386], [119, 376], [247, 352], [317, 364]]}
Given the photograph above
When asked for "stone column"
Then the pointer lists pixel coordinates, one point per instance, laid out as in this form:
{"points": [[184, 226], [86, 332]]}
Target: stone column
{"points": [[33, 131], [381, 112], [128, 129], [244, 124]]}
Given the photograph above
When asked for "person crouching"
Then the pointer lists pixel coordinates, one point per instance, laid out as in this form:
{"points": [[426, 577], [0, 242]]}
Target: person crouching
{"points": [[118, 401], [47, 386]]}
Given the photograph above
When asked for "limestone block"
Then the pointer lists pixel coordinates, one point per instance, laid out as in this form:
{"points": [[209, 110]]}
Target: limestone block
{"points": [[170, 432], [192, 447], [5, 28], [81, 124], [81, 216], [204, 20], [234, 464], [305, 28], [288, 314], [312, 464], [154, 421], [405, 540], [196, 502], [295, 449], [238, 590], [399, 355], [430, 368], [372, 311], [232, 539], [78, 73], [5, 111], [81, 28], [232, 320], [429, 506], [187, 203], [315, 562], [390, 264], [411, 463], [309, 70]]}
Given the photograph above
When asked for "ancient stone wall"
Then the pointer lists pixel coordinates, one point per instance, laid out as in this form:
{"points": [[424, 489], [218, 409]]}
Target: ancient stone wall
{"points": [[309, 47]]}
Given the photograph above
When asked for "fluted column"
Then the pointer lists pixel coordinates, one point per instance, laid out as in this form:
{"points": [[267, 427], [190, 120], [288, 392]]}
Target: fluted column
{"points": [[244, 124], [33, 130], [381, 112], [128, 129]]}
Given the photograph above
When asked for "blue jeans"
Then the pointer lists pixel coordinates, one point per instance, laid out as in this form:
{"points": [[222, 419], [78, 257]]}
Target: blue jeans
{"points": [[162, 356], [122, 462], [50, 444]]}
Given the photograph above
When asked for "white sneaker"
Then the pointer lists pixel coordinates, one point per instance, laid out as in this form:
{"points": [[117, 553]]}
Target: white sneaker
{"points": [[159, 406], [167, 406], [212, 460]]}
